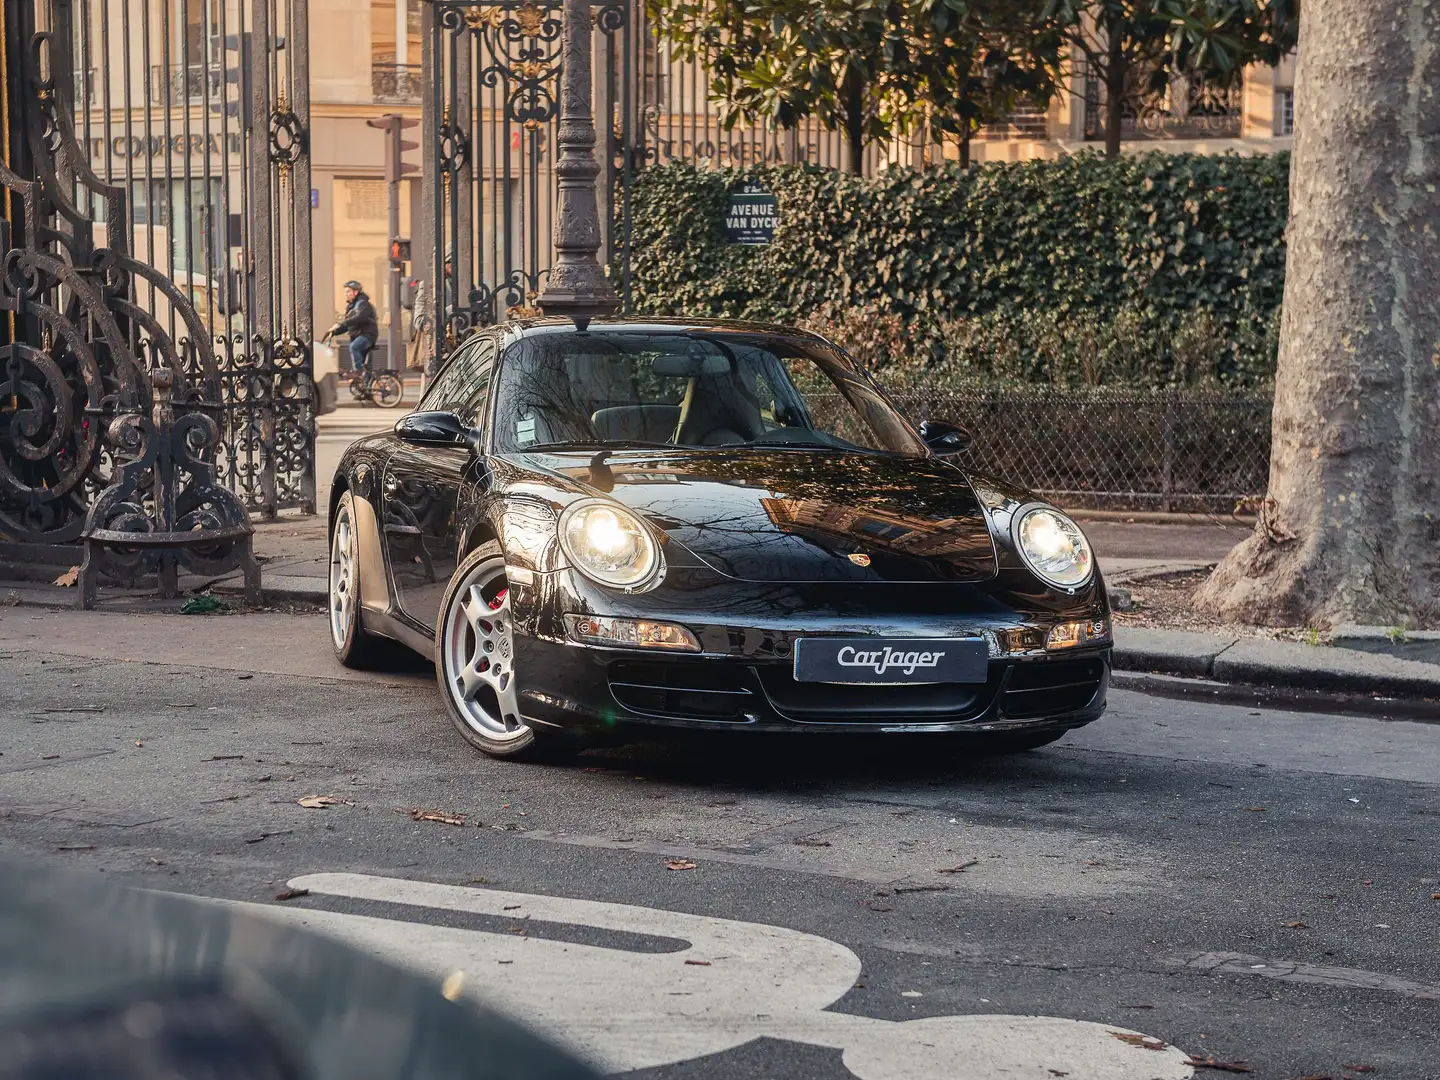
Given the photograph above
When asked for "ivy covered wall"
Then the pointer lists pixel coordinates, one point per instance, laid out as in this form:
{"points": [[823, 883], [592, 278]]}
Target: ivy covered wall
{"points": [[1072, 270]]}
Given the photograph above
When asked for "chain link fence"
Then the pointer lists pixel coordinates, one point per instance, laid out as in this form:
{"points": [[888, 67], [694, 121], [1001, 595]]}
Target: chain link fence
{"points": [[1114, 449]]}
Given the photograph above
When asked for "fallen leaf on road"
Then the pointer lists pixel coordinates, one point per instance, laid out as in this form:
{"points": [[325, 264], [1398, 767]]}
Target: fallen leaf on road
{"points": [[139, 743], [1296, 926], [77, 708], [76, 847], [1222, 1066], [1056, 1072], [958, 869], [292, 894], [227, 757], [440, 816], [679, 864], [245, 676], [68, 578], [268, 835], [319, 802], [1257, 809], [698, 963], [49, 757], [512, 907], [1435, 896], [157, 862], [803, 842], [182, 704], [1149, 1042]]}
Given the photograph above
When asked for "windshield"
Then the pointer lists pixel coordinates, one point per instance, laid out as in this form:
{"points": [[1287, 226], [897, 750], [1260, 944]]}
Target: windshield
{"points": [[689, 388]]}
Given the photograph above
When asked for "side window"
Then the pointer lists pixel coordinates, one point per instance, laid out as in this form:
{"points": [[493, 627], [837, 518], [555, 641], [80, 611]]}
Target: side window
{"points": [[463, 385]]}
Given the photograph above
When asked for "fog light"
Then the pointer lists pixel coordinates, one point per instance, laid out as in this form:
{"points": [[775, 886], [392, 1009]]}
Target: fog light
{"points": [[631, 633], [1070, 635]]}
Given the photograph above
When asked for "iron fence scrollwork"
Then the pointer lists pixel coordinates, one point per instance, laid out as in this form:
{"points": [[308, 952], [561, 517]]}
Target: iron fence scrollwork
{"points": [[155, 378]]}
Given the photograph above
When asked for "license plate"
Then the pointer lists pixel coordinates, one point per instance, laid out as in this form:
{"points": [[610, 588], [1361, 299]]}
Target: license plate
{"points": [[895, 660]]}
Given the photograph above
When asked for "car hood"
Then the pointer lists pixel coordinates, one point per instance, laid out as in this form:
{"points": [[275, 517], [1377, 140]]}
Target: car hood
{"points": [[797, 515]]}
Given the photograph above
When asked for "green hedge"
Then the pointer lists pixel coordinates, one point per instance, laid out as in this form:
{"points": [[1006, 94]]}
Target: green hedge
{"points": [[1163, 245]]}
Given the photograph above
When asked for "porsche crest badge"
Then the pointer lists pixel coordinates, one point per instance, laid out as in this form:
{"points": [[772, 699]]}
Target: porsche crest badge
{"points": [[859, 558]]}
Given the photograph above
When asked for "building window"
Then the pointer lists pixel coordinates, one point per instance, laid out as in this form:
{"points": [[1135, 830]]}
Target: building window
{"points": [[1285, 112]]}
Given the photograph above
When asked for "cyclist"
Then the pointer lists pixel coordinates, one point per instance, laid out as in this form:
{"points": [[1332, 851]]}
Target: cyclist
{"points": [[361, 323]]}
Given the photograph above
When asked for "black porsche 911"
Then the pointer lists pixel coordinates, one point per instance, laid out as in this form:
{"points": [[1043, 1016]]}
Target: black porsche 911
{"points": [[709, 525]]}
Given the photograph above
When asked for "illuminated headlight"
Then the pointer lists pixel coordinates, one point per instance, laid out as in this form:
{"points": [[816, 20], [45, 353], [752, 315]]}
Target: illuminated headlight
{"points": [[608, 543], [631, 633], [1054, 547], [1072, 635]]}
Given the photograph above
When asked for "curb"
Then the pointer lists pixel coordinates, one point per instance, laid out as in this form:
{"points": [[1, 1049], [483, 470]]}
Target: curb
{"points": [[1318, 684], [1289, 699], [1161, 517]]}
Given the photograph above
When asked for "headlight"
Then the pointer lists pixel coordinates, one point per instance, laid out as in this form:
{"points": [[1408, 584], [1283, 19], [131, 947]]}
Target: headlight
{"points": [[1054, 547], [608, 543]]}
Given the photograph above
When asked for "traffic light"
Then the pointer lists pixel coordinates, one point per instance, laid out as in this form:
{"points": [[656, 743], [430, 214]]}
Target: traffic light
{"points": [[394, 125], [399, 252]]}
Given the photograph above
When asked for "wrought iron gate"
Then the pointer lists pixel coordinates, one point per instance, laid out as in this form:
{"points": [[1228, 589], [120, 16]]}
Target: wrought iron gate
{"points": [[491, 73], [491, 112], [157, 238]]}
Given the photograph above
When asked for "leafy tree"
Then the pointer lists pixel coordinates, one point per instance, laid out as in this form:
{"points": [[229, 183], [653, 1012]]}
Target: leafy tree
{"points": [[977, 60], [1137, 46], [1350, 532], [870, 68]]}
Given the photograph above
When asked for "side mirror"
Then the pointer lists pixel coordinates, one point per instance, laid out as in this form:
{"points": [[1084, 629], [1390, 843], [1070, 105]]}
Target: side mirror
{"points": [[436, 429], [944, 438]]}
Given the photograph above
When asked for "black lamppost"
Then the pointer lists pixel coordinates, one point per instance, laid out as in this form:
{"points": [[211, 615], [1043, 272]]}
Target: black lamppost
{"points": [[576, 285]]}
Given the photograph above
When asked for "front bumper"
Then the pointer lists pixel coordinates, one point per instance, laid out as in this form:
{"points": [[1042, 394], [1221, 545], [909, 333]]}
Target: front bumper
{"points": [[744, 679]]}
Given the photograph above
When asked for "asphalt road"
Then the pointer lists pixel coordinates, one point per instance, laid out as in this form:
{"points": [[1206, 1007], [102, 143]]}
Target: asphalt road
{"points": [[1249, 885]]}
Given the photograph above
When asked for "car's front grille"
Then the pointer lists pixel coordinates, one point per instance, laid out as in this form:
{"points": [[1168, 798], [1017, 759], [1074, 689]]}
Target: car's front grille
{"points": [[820, 702], [1051, 687], [697, 690]]}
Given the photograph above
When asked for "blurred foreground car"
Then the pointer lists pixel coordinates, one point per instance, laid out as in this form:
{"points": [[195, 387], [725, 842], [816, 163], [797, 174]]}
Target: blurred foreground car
{"points": [[105, 983], [706, 525]]}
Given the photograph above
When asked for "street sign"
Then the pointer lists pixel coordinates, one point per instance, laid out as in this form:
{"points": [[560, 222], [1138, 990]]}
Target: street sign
{"points": [[752, 215]]}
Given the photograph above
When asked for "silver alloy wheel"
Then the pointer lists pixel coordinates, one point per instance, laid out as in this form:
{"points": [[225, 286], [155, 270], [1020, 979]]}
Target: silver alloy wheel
{"points": [[342, 577], [478, 655]]}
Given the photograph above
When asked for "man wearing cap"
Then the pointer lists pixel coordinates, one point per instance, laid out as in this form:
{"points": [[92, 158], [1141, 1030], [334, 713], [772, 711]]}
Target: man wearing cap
{"points": [[362, 324]]}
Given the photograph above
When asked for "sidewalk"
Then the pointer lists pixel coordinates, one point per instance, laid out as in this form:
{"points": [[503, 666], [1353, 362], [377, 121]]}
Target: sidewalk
{"points": [[1355, 661]]}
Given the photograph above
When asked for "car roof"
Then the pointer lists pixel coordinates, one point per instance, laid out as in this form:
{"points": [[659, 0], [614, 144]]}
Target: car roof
{"points": [[644, 323]]}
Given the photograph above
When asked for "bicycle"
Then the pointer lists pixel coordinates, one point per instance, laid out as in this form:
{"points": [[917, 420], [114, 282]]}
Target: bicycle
{"points": [[386, 389]]}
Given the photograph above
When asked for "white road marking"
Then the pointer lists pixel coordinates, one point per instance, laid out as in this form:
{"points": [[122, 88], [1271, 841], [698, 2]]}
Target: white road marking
{"points": [[629, 1010], [1295, 972]]}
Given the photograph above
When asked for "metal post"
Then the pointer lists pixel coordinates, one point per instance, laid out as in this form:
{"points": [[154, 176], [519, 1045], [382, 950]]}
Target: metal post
{"points": [[393, 346], [576, 285]]}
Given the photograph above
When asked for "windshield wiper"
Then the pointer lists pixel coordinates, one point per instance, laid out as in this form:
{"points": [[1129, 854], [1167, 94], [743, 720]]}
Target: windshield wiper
{"points": [[605, 444]]}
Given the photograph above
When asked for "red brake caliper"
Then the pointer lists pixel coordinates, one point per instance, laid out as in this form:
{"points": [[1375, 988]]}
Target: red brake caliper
{"points": [[499, 600]]}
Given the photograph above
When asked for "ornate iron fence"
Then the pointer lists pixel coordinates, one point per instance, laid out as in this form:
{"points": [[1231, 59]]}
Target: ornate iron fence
{"points": [[1121, 449], [156, 379]]}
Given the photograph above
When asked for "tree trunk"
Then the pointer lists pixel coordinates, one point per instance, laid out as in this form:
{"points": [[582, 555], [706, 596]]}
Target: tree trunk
{"points": [[1351, 529], [1114, 89], [965, 147], [853, 90]]}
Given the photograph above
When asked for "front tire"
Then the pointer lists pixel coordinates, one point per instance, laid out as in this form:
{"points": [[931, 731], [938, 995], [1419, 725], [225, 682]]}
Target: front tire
{"points": [[475, 660], [355, 647], [388, 391]]}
